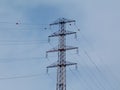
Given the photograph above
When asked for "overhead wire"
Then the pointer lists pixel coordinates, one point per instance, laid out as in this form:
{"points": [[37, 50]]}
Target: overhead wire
{"points": [[22, 29], [94, 64], [21, 59], [89, 58], [22, 42], [21, 23], [99, 58], [21, 26], [99, 70], [84, 85], [93, 77], [90, 75], [21, 77], [14, 59], [69, 84], [92, 60]]}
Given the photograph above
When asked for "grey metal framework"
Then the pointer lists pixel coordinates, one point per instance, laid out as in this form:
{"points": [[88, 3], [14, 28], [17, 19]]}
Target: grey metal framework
{"points": [[61, 49]]}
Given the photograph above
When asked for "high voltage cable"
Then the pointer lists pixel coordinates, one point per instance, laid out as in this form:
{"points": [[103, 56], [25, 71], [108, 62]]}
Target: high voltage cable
{"points": [[16, 42], [99, 58], [23, 43], [97, 68], [94, 62], [95, 80], [100, 86], [70, 86], [24, 59], [23, 29], [21, 40], [75, 75], [22, 23], [17, 29], [21, 77]]}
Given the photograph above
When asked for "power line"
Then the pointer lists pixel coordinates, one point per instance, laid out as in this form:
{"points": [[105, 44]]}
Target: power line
{"points": [[22, 23], [37, 43], [99, 58], [23, 29], [18, 26], [29, 58], [93, 77], [90, 74], [97, 68], [21, 40], [82, 80], [23, 59], [21, 77], [94, 62], [27, 42]]}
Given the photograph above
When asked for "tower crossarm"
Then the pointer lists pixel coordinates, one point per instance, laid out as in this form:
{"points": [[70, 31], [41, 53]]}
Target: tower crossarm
{"points": [[57, 64], [62, 21], [60, 34], [62, 49]]}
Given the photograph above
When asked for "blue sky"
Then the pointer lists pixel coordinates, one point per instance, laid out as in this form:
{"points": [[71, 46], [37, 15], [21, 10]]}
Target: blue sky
{"points": [[23, 46]]}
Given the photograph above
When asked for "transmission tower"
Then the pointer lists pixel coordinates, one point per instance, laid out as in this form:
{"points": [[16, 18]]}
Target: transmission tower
{"points": [[61, 49]]}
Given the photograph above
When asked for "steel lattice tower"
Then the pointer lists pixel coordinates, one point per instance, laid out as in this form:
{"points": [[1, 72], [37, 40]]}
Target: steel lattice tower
{"points": [[61, 49]]}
